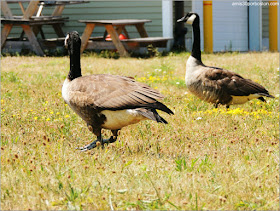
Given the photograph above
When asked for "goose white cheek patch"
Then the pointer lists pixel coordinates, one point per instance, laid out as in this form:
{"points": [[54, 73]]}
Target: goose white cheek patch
{"points": [[191, 19], [65, 41]]}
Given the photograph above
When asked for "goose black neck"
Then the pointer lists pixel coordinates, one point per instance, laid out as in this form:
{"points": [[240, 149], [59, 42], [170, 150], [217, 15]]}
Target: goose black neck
{"points": [[75, 64], [196, 53]]}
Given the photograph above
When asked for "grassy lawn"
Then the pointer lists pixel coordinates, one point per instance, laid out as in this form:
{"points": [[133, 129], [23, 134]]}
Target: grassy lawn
{"points": [[205, 158]]}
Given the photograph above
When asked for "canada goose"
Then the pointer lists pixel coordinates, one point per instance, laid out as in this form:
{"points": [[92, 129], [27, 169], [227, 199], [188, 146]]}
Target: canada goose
{"points": [[107, 101], [213, 84]]}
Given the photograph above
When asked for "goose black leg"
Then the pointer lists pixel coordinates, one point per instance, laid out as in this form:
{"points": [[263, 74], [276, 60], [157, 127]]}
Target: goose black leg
{"points": [[112, 139], [102, 141], [97, 132]]}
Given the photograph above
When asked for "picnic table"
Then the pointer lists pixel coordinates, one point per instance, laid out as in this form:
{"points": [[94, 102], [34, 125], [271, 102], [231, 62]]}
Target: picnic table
{"points": [[32, 20], [114, 28]]}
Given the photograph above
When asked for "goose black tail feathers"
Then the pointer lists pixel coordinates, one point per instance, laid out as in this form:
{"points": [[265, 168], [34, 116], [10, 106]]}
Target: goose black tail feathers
{"points": [[152, 114], [266, 95], [159, 106], [150, 111]]}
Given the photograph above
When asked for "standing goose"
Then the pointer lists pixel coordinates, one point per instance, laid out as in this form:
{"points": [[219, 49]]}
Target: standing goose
{"points": [[213, 84], [107, 101]]}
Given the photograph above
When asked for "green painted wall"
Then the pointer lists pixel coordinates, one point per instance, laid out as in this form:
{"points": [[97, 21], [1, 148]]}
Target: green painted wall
{"points": [[104, 10], [265, 27], [265, 22]]}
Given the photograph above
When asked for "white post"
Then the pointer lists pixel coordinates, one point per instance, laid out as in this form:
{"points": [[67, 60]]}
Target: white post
{"points": [[167, 21]]}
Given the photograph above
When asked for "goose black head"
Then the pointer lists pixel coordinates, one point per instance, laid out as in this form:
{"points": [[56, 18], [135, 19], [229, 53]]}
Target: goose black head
{"points": [[72, 41], [189, 18]]}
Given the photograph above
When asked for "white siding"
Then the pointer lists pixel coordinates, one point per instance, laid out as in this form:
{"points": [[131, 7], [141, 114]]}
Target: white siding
{"points": [[167, 21], [188, 37], [230, 27], [197, 6]]}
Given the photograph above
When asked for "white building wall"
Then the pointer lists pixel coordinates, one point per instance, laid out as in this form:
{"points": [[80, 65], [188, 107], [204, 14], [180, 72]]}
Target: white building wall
{"points": [[197, 6], [230, 27], [167, 21]]}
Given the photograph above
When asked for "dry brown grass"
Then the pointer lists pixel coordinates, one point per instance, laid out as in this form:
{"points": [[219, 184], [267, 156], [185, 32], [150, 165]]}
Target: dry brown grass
{"points": [[204, 158]]}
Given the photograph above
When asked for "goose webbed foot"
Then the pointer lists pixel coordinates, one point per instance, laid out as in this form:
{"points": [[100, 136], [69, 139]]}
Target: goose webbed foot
{"points": [[109, 140], [100, 140], [95, 143], [89, 146]]}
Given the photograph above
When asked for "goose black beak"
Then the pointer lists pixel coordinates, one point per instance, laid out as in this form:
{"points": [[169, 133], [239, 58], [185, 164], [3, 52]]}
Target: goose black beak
{"points": [[183, 19]]}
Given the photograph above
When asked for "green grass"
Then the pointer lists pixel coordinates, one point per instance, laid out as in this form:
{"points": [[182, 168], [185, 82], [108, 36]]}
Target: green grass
{"points": [[204, 159]]}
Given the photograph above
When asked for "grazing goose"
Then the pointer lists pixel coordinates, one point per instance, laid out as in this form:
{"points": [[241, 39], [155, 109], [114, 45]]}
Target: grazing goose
{"points": [[107, 101], [213, 84]]}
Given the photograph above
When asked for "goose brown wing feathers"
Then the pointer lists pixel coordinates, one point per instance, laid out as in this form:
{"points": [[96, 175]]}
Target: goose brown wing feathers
{"points": [[234, 84], [112, 92]]}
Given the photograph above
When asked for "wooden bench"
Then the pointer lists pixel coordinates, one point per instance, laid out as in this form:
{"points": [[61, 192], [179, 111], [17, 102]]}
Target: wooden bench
{"points": [[98, 43], [42, 20], [114, 28], [32, 22], [56, 23]]}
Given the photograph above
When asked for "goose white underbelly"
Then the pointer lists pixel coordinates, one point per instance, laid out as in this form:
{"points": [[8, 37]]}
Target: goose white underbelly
{"points": [[118, 119], [243, 99]]}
